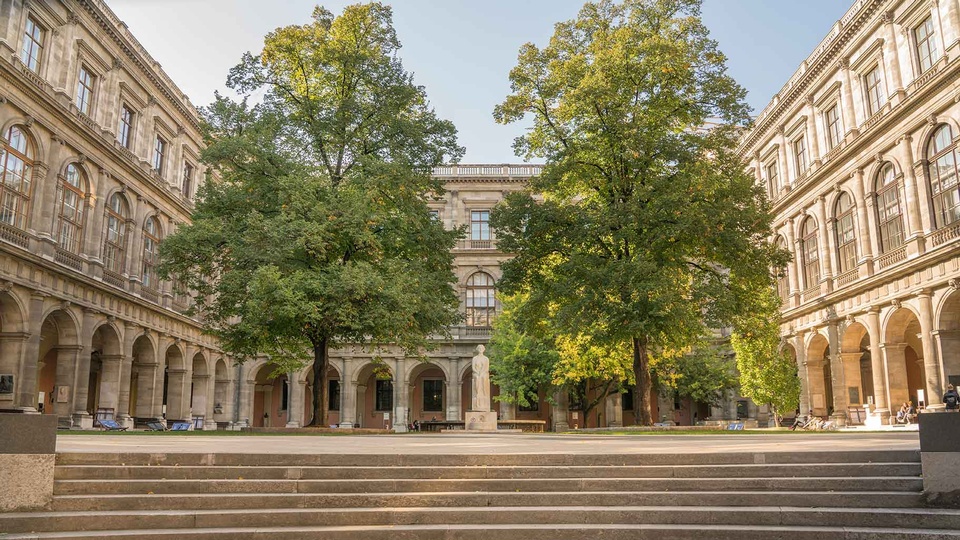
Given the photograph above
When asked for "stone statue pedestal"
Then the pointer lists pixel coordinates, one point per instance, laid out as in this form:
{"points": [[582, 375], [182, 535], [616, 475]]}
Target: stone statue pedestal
{"points": [[480, 421]]}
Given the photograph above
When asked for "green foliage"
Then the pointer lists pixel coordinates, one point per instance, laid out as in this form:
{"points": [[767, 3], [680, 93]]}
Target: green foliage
{"points": [[768, 375], [647, 231], [704, 373], [315, 229], [522, 361]]}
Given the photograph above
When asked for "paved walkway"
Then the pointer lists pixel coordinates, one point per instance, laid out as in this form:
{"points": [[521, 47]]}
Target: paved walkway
{"points": [[491, 443]]}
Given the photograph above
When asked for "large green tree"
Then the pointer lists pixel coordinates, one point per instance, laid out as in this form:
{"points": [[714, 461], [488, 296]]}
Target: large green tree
{"points": [[646, 230], [314, 229], [768, 375]]}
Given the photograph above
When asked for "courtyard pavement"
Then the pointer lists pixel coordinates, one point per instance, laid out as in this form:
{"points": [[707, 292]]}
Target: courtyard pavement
{"points": [[442, 444]]}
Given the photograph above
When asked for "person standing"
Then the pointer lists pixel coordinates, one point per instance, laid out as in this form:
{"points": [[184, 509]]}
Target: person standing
{"points": [[951, 399]]}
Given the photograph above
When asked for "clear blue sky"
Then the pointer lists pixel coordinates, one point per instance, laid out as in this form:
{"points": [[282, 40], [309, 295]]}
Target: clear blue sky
{"points": [[462, 50]]}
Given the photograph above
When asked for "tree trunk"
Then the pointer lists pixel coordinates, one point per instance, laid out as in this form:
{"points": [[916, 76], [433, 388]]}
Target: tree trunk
{"points": [[641, 394], [320, 383]]}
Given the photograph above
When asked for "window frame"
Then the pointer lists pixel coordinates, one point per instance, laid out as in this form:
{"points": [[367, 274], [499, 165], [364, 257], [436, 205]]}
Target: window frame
{"points": [[833, 129], [846, 240], [125, 131], [799, 146], [159, 154], [873, 91], [438, 392], [939, 196], [333, 404], [149, 255], [20, 195], [480, 225], [886, 220], [932, 54], [772, 171], [86, 90], [114, 251], [73, 242], [186, 183], [810, 245], [383, 388], [36, 39], [486, 293]]}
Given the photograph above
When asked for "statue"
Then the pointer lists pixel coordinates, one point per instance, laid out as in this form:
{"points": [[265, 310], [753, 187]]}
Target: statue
{"points": [[481, 381]]}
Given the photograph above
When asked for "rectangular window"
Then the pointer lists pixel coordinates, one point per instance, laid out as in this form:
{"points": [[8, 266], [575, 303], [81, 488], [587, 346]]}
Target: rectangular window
{"points": [[333, 395], [480, 225], [800, 154], [384, 397], [159, 149], [84, 90], [874, 87], [626, 400], [125, 133], [435, 215], [187, 179], [284, 395], [773, 176], [433, 395], [927, 50], [832, 120], [32, 45]]}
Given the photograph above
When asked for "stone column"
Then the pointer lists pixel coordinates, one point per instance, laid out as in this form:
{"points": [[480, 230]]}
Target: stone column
{"points": [[348, 412], [931, 364], [950, 18], [866, 218], [827, 243], [846, 91], [915, 230], [896, 373], [29, 369], [851, 374], [793, 272], [68, 356], [209, 414], [361, 406], [613, 410], [401, 397], [81, 417], [130, 333], [813, 138], [878, 365], [454, 397], [296, 391], [560, 411], [787, 175], [948, 345], [891, 60], [838, 376], [803, 373]]}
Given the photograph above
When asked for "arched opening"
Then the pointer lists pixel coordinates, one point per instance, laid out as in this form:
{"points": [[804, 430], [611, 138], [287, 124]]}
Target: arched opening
{"points": [[481, 302], [16, 166], [175, 388], [199, 390], [12, 341], [375, 396], [948, 338], [903, 353], [143, 380], [857, 367], [943, 176], [222, 398], [103, 385], [58, 361], [428, 396], [271, 398], [334, 396], [820, 376]]}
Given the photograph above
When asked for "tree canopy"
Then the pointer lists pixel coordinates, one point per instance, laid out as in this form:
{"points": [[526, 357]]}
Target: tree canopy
{"points": [[315, 228], [645, 231]]}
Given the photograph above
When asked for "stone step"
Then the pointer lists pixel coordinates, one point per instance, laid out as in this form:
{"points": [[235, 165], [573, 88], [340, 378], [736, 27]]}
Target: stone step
{"points": [[87, 487], [110, 472], [448, 460], [515, 532], [258, 501], [905, 518]]}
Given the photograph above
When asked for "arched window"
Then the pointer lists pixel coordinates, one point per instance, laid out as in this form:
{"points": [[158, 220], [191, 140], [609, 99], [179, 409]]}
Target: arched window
{"points": [[888, 209], [115, 241], [783, 281], [70, 201], [846, 237], [151, 239], [809, 246], [17, 172], [942, 154], [481, 300]]}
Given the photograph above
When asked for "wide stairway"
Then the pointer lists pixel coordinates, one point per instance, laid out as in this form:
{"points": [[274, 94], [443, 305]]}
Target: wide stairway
{"points": [[821, 495]]}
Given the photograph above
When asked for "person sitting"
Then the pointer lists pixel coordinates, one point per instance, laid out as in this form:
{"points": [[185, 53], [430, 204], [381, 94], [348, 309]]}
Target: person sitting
{"points": [[416, 425], [902, 415], [911, 413]]}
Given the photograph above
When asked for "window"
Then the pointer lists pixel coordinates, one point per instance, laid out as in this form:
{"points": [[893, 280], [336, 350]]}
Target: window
{"points": [[284, 394], [151, 238], [187, 179], [384, 397], [481, 300], [626, 400], [114, 245], [70, 204], [32, 45], [432, 395], [800, 154], [480, 225], [888, 209], [846, 237], [874, 88], [84, 90], [942, 154], [159, 149], [783, 283], [773, 176], [927, 51], [811, 254], [435, 215], [16, 166], [125, 133], [333, 395], [832, 119]]}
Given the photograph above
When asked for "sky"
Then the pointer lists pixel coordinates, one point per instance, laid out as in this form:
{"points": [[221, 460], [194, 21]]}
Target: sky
{"points": [[461, 51]]}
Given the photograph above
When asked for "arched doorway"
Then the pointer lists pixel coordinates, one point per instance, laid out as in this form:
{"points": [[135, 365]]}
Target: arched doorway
{"points": [[175, 388], [948, 338], [143, 380], [903, 352], [199, 391], [819, 376], [428, 393], [271, 398], [375, 397], [12, 341], [58, 360], [334, 396], [222, 398], [103, 384]]}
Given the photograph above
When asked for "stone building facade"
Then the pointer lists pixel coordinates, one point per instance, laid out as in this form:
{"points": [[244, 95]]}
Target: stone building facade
{"points": [[99, 159], [858, 153]]}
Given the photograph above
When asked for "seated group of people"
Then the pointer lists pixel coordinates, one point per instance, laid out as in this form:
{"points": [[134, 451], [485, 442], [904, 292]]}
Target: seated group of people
{"points": [[907, 414]]}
